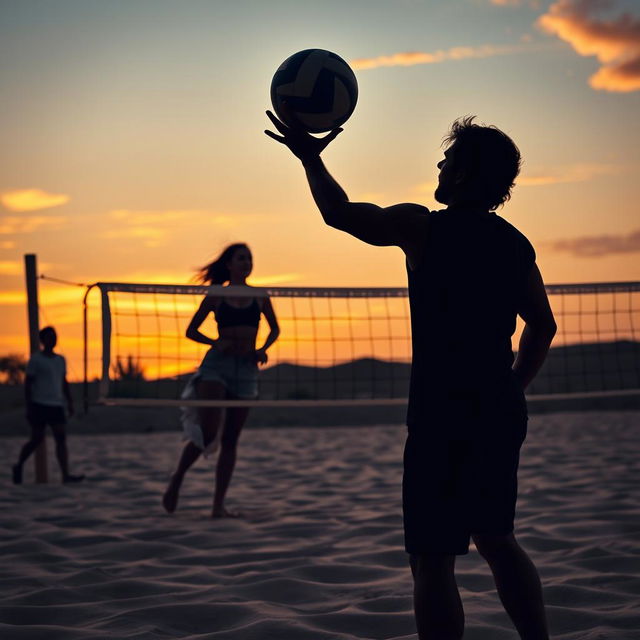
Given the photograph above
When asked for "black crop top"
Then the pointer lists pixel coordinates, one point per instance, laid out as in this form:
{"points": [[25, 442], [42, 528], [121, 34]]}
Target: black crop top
{"points": [[229, 316]]}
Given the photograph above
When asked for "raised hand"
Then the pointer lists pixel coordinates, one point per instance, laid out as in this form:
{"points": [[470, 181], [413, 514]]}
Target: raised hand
{"points": [[302, 144]]}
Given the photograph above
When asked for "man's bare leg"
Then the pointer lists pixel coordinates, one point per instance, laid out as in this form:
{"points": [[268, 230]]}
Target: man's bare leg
{"points": [[436, 600], [37, 436], [62, 454], [517, 582]]}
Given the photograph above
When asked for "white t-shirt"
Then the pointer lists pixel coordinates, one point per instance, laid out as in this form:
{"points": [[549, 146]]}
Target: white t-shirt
{"points": [[48, 373]]}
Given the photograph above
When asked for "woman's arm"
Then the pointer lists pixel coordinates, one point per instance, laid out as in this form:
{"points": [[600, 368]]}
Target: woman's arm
{"points": [[270, 315], [206, 306]]}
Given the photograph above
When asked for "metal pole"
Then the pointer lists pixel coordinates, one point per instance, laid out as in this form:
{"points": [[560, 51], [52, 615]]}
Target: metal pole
{"points": [[85, 333], [31, 275]]}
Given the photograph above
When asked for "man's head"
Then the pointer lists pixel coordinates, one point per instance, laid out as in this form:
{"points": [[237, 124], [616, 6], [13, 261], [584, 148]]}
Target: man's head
{"points": [[48, 337], [479, 167]]}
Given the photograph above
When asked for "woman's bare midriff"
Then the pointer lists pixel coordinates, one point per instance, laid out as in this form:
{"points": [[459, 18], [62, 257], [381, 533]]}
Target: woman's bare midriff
{"points": [[237, 341]]}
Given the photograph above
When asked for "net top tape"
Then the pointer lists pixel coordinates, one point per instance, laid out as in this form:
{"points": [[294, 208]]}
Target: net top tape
{"points": [[335, 292]]}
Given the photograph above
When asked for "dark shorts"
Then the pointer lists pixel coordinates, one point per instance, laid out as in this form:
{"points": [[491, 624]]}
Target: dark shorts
{"points": [[40, 415], [237, 373], [460, 478]]}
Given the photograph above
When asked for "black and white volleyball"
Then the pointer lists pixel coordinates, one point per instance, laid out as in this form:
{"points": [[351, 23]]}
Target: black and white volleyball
{"points": [[320, 90]]}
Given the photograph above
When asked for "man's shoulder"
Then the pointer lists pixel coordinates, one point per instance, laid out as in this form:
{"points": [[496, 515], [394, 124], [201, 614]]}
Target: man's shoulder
{"points": [[525, 250], [509, 227], [408, 209]]}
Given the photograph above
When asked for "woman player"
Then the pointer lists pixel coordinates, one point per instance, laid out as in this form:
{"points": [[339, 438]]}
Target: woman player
{"points": [[228, 370]]}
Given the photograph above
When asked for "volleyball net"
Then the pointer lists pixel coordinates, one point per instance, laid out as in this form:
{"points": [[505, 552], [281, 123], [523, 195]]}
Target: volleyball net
{"points": [[341, 346]]}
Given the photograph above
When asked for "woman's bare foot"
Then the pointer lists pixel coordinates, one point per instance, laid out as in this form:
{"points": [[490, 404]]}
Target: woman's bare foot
{"points": [[221, 512], [170, 497]]}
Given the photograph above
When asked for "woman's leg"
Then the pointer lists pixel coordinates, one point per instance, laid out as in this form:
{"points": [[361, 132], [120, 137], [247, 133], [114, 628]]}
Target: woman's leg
{"points": [[210, 419], [235, 419]]}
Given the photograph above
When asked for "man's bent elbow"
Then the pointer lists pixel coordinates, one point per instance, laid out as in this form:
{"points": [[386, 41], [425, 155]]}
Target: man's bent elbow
{"points": [[333, 218], [543, 329], [546, 331]]}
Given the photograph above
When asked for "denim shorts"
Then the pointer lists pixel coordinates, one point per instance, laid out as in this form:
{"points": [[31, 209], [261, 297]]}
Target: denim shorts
{"points": [[239, 374]]}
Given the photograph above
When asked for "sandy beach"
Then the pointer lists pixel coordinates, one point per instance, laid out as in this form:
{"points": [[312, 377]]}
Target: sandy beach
{"points": [[319, 552]]}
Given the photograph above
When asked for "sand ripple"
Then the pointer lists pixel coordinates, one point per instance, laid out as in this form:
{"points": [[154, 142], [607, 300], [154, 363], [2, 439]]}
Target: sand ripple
{"points": [[318, 555]]}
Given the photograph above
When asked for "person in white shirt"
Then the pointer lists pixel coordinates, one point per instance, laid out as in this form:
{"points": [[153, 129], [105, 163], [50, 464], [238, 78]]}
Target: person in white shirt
{"points": [[46, 389]]}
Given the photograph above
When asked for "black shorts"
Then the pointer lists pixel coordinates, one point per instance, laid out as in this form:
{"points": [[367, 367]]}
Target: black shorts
{"points": [[460, 478], [40, 415]]}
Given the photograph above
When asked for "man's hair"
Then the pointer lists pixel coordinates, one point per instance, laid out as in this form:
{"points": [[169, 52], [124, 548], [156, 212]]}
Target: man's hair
{"points": [[46, 331], [489, 158]]}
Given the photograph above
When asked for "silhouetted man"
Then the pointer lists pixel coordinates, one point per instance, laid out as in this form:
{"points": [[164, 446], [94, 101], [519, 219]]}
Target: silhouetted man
{"points": [[46, 389], [470, 274]]}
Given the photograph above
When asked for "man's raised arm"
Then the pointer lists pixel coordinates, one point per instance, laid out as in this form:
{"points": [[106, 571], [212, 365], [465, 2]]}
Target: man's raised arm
{"points": [[398, 225]]}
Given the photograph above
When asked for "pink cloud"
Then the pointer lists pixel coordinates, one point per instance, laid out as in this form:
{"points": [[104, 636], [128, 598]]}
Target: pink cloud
{"points": [[410, 58], [599, 246], [615, 42]]}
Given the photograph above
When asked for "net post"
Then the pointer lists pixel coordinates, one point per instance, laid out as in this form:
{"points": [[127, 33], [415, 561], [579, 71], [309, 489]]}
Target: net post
{"points": [[106, 343], [85, 353], [31, 277]]}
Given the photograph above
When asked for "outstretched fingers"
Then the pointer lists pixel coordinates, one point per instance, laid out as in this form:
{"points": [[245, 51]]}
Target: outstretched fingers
{"points": [[275, 137], [280, 126], [332, 135]]}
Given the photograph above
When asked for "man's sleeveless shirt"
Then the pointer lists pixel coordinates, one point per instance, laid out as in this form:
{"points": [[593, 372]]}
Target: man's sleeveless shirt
{"points": [[464, 298]]}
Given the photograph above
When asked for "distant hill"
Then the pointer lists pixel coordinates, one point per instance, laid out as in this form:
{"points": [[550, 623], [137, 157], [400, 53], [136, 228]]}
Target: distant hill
{"points": [[599, 366], [572, 369]]}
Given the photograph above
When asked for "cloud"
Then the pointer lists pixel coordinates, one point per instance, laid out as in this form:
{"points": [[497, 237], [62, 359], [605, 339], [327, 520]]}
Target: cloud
{"points": [[426, 187], [615, 42], [410, 58], [11, 268], [49, 296], [153, 228], [599, 246], [31, 199], [534, 4], [150, 236], [177, 277], [274, 279], [565, 174], [16, 267], [562, 174], [10, 225], [13, 298]]}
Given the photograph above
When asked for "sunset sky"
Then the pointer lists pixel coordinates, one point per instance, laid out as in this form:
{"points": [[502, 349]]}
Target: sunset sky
{"points": [[133, 146]]}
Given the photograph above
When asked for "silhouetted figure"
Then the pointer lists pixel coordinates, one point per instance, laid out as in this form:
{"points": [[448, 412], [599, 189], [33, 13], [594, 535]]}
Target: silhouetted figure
{"points": [[46, 389], [228, 370], [470, 274]]}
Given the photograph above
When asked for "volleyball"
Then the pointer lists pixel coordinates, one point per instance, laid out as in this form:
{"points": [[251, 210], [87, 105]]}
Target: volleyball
{"points": [[320, 90]]}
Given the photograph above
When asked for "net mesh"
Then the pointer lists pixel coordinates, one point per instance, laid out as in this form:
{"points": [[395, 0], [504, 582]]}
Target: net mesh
{"points": [[350, 345]]}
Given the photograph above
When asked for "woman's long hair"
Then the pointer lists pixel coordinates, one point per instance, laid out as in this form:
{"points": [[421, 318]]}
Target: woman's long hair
{"points": [[217, 272]]}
